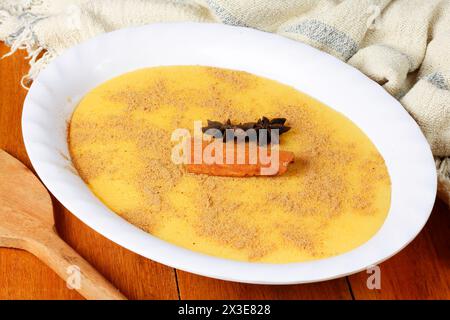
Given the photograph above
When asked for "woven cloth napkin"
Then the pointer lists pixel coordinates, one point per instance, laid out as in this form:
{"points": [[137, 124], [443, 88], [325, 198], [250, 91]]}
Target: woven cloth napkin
{"points": [[404, 45]]}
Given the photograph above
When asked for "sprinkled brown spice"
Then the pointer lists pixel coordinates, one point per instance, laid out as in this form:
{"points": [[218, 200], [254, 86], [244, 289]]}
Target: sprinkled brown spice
{"points": [[301, 238], [229, 231], [330, 177], [148, 99], [372, 173], [142, 218], [238, 80]]}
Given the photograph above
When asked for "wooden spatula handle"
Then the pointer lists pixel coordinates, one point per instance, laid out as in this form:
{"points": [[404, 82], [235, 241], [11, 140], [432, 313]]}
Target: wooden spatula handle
{"points": [[71, 267]]}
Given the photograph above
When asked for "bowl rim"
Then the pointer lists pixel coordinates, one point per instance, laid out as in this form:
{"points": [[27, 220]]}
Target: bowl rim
{"points": [[95, 60]]}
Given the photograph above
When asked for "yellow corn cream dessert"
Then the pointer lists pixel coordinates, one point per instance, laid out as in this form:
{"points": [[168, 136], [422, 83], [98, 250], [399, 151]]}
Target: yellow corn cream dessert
{"points": [[334, 197]]}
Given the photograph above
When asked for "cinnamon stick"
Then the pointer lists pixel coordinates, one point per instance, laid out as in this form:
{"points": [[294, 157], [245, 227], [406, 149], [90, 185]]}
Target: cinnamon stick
{"points": [[235, 169]]}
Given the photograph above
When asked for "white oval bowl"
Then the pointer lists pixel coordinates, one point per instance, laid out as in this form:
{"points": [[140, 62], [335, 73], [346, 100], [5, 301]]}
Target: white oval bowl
{"points": [[57, 90]]}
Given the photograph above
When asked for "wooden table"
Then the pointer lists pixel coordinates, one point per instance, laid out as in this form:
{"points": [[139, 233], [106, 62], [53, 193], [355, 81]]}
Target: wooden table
{"points": [[421, 271]]}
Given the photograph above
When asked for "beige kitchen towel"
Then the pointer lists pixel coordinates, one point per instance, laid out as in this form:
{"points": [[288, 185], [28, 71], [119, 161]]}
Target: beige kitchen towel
{"points": [[404, 45]]}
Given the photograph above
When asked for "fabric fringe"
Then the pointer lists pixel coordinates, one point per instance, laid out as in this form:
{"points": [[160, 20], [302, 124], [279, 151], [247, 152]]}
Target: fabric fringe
{"points": [[23, 37]]}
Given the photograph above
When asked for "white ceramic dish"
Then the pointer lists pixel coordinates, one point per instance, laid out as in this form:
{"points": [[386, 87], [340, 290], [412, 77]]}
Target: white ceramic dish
{"points": [[55, 93]]}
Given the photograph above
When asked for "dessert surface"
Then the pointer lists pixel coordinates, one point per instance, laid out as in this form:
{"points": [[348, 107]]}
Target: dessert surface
{"points": [[334, 197]]}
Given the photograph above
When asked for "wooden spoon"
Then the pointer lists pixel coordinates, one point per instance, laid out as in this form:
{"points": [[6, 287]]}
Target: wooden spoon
{"points": [[26, 222]]}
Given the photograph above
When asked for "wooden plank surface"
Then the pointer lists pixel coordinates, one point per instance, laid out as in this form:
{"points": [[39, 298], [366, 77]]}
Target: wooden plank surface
{"points": [[420, 271], [193, 287]]}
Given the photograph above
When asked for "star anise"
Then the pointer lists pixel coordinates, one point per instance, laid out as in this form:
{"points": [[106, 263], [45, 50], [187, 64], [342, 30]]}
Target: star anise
{"points": [[232, 131]]}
